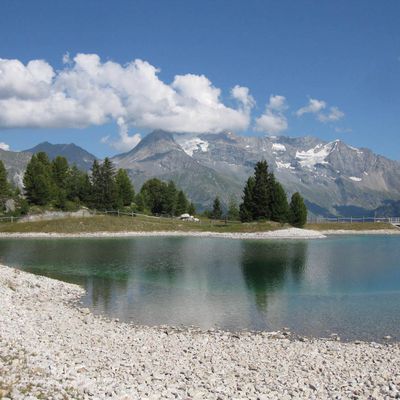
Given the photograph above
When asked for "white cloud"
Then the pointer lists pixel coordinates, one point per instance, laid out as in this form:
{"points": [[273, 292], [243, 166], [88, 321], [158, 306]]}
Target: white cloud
{"points": [[88, 92], [334, 115], [125, 142], [273, 121], [4, 146], [314, 106]]}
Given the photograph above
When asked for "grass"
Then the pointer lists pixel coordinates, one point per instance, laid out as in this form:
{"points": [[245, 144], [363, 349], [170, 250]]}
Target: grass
{"points": [[355, 226], [133, 224], [141, 223]]}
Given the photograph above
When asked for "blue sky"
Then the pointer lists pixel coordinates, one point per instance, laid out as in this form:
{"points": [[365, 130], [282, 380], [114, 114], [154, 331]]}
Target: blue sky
{"points": [[343, 56]]}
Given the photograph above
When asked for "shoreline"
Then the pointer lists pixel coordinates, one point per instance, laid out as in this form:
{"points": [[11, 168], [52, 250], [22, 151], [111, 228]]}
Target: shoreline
{"points": [[289, 233], [49, 347], [279, 234]]}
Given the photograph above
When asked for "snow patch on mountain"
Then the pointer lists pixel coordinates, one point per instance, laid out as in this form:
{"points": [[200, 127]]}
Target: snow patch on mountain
{"points": [[281, 165], [316, 155], [278, 147], [195, 144], [355, 178]]}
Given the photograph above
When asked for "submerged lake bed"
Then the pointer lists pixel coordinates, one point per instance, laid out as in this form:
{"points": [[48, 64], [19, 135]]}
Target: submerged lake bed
{"points": [[349, 285]]}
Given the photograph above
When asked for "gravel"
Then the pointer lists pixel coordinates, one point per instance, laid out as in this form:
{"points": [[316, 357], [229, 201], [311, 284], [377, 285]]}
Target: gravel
{"points": [[50, 348], [289, 233]]}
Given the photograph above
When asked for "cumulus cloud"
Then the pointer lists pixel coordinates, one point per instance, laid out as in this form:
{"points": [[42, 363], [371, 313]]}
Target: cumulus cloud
{"points": [[334, 115], [314, 106], [4, 146], [88, 92], [273, 121], [125, 142], [317, 107]]}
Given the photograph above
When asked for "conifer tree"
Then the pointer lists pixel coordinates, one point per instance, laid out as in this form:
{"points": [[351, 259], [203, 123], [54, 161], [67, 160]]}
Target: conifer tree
{"points": [[5, 188], [297, 211], [125, 191], [262, 191], [171, 198], [59, 174], [279, 203], [181, 203], [108, 184], [217, 210], [154, 195], [247, 208], [97, 186], [38, 183]]}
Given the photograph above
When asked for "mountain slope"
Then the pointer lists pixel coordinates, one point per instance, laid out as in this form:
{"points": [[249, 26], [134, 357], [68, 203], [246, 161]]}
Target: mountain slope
{"points": [[159, 155], [15, 163], [332, 176], [73, 153]]}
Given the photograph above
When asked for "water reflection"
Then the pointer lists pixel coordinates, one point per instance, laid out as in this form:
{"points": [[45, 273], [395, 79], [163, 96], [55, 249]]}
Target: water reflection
{"points": [[348, 285], [265, 267]]}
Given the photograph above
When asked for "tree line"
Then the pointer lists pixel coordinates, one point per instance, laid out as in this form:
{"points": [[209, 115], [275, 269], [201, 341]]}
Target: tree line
{"points": [[57, 184], [264, 199]]}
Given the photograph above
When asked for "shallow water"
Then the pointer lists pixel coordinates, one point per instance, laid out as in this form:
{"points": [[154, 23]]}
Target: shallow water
{"points": [[348, 285]]}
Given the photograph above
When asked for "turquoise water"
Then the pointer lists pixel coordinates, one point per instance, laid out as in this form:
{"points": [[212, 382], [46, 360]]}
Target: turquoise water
{"points": [[346, 285]]}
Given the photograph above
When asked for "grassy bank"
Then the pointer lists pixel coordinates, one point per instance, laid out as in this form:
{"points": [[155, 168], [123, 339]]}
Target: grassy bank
{"points": [[133, 224]]}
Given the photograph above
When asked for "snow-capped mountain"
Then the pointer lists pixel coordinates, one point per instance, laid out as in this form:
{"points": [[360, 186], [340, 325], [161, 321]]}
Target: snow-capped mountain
{"points": [[333, 177]]}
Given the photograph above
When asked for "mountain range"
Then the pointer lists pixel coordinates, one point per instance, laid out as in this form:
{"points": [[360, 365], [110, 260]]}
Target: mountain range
{"points": [[333, 177]]}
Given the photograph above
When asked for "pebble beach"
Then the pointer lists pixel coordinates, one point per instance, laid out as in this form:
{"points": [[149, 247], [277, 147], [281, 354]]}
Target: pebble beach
{"points": [[51, 348]]}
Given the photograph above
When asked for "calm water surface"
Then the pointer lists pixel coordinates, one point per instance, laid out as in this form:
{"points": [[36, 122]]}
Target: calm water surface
{"points": [[347, 285]]}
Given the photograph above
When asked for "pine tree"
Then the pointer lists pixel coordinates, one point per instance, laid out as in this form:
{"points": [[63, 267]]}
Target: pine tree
{"points": [[125, 191], [297, 211], [279, 203], [78, 186], [262, 191], [60, 171], [5, 188], [38, 182], [154, 195], [217, 210], [109, 186], [233, 210], [181, 203], [97, 186], [59, 174], [171, 198], [247, 208]]}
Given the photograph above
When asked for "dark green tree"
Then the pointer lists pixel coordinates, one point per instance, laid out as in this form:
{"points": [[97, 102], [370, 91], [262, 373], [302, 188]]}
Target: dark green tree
{"points": [[171, 198], [5, 187], [96, 186], [38, 182], [59, 173], [247, 207], [125, 191], [182, 203], [110, 194], [154, 195], [297, 211], [262, 191], [279, 203], [217, 210], [78, 186]]}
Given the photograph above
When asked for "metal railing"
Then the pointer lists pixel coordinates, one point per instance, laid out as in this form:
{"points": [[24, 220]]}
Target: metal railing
{"points": [[390, 220]]}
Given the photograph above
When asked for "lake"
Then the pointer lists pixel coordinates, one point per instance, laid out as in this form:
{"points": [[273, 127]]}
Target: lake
{"points": [[348, 285]]}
